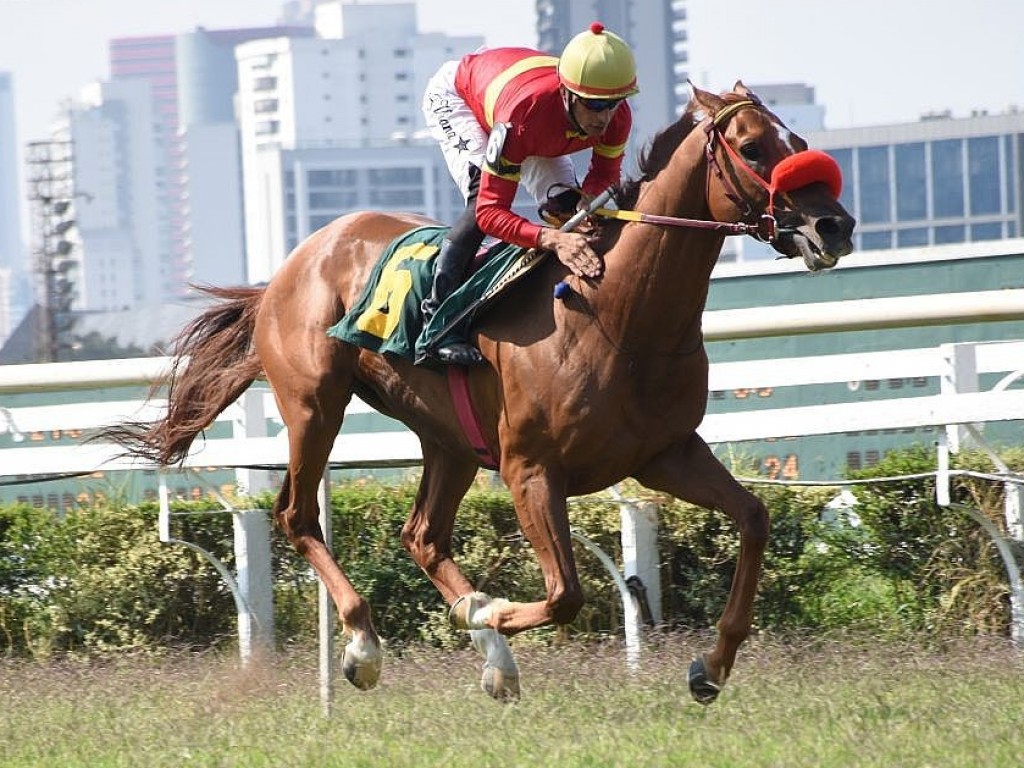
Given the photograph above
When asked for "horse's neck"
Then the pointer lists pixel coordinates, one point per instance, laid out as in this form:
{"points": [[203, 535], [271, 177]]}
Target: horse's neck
{"points": [[663, 272]]}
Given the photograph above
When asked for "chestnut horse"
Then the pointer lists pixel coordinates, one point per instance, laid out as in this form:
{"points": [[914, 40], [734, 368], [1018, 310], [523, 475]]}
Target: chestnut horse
{"points": [[577, 394]]}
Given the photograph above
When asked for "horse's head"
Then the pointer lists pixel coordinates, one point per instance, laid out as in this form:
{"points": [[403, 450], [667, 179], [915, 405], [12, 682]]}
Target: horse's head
{"points": [[759, 170]]}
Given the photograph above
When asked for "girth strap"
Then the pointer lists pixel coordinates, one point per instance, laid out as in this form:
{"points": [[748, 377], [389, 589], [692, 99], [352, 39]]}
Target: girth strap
{"points": [[458, 386]]}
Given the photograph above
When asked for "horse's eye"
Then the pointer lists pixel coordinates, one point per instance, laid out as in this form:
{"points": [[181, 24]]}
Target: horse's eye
{"points": [[751, 151]]}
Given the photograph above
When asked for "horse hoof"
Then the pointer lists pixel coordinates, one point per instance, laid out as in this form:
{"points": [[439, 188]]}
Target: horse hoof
{"points": [[500, 679], [500, 685], [361, 668], [703, 689]]}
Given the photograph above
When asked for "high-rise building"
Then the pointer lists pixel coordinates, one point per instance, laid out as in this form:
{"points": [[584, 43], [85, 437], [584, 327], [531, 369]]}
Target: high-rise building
{"points": [[656, 30], [15, 286], [333, 124], [212, 238], [193, 79], [117, 170], [152, 60]]}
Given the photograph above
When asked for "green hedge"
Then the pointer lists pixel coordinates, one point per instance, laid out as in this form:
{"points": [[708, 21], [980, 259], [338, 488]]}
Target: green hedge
{"points": [[98, 579]]}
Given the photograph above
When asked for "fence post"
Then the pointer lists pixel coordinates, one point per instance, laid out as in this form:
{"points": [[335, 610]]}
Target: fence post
{"points": [[960, 375], [255, 581], [250, 421], [640, 550], [325, 608]]}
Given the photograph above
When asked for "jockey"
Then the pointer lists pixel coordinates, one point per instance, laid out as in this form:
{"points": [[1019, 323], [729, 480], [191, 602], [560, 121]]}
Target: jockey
{"points": [[510, 115]]}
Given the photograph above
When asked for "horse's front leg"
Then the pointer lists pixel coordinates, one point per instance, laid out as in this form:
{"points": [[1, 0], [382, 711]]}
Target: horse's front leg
{"points": [[540, 504], [689, 471], [427, 535], [541, 510]]}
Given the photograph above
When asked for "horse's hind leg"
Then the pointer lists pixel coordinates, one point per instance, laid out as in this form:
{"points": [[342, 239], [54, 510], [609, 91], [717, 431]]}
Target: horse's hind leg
{"points": [[692, 473], [313, 414]]}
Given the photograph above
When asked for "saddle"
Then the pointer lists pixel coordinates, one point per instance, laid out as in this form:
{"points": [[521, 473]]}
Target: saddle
{"points": [[387, 318]]}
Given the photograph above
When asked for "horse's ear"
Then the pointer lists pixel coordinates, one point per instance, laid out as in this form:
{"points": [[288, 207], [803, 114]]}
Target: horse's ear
{"points": [[704, 102], [745, 92]]}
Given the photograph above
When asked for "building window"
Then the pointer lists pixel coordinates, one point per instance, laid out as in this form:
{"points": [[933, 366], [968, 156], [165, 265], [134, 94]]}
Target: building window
{"points": [[397, 198], [265, 105], [1009, 176], [853, 460], [264, 83], [266, 61], [333, 200], [873, 171], [876, 241], [320, 221], [991, 231], [267, 127], [844, 157], [911, 183], [912, 238], [947, 180], [950, 234], [331, 178], [983, 174], [394, 176]]}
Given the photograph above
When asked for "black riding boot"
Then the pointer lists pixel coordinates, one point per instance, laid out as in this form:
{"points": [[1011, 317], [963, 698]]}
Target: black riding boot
{"points": [[449, 269]]}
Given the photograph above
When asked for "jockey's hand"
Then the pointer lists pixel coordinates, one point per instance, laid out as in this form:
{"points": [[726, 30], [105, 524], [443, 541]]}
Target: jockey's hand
{"points": [[573, 250]]}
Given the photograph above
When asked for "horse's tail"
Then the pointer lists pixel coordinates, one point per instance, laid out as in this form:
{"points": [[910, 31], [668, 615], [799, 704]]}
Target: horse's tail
{"points": [[213, 363]]}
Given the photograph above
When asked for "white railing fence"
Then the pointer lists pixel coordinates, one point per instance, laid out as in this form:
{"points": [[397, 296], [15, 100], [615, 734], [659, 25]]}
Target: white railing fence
{"points": [[958, 408]]}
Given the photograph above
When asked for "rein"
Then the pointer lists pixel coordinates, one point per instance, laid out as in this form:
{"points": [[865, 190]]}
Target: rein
{"points": [[764, 230]]}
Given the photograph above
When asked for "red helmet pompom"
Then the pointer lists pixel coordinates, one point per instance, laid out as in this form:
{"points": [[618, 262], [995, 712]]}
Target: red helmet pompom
{"points": [[597, 27]]}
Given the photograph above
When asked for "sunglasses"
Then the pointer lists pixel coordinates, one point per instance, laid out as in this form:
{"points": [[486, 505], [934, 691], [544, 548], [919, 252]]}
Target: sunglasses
{"points": [[600, 105]]}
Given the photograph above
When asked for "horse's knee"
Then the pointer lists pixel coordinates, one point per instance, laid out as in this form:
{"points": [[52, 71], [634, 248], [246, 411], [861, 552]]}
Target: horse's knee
{"points": [[565, 605], [754, 522], [423, 552]]}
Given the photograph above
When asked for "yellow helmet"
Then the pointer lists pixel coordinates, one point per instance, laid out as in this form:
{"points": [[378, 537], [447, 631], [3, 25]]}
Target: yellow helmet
{"points": [[597, 64]]}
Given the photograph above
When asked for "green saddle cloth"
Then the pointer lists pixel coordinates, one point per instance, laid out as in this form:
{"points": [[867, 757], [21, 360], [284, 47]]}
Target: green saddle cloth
{"points": [[387, 318]]}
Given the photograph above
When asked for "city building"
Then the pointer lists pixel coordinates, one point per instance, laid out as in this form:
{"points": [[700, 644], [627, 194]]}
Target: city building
{"points": [[940, 180], [121, 222], [333, 124], [15, 274], [210, 234]]}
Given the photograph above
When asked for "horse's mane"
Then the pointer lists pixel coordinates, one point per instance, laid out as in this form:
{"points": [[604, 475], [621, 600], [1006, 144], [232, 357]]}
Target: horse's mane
{"points": [[654, 157]]}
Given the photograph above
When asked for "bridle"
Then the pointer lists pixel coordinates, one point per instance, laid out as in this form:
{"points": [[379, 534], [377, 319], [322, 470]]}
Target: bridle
{"points": [[794, 171], [713, 130]]}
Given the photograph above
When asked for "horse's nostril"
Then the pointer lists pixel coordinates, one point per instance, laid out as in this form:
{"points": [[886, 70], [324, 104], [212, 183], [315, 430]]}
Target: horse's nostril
{"points": [[827, 226], [834, 227]]}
